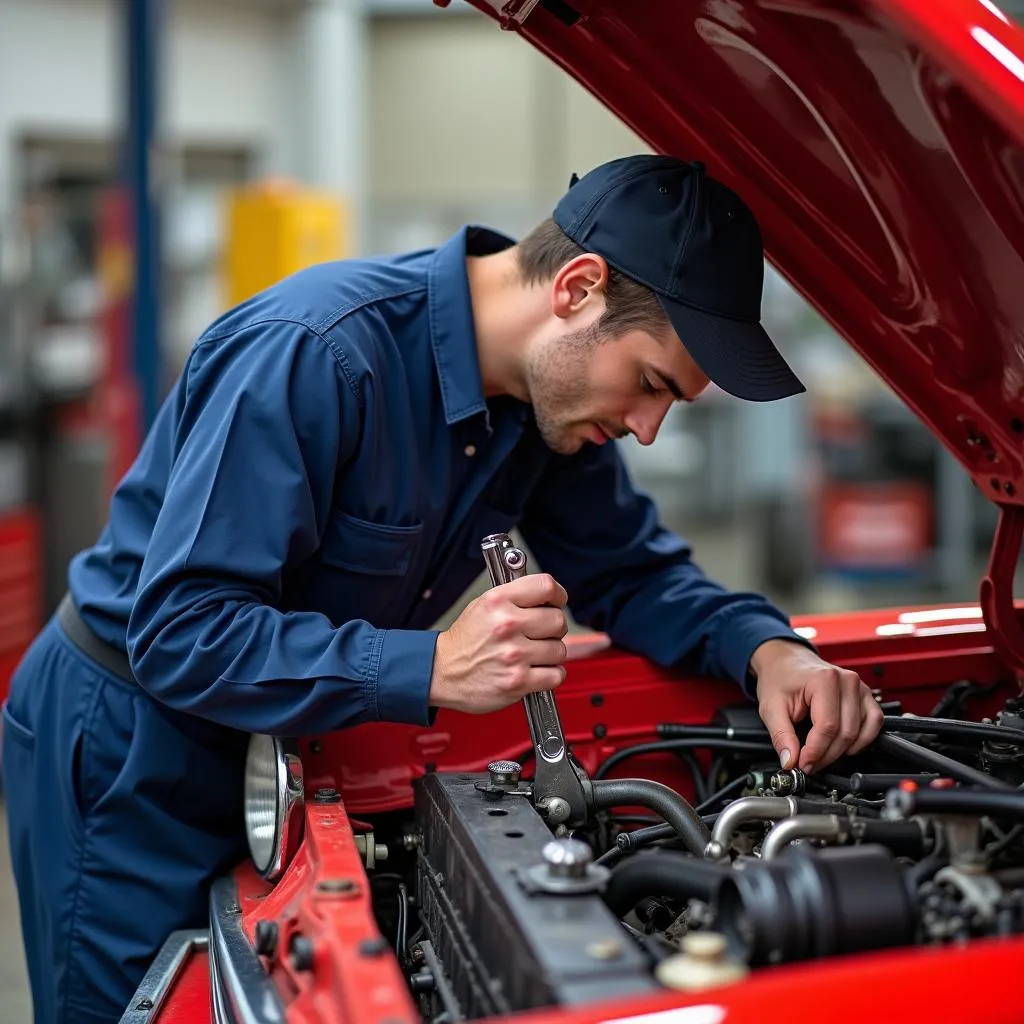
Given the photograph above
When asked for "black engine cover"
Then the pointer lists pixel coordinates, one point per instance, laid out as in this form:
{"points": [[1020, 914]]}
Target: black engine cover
{"points": [[504, 948]]}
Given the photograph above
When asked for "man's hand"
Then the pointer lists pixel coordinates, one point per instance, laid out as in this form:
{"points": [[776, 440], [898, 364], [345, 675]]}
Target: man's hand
{"points": [[792, 680], [505, 644]]}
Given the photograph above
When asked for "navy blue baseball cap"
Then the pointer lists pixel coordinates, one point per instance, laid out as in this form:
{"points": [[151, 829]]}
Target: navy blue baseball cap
{"points": [[665, 224]]}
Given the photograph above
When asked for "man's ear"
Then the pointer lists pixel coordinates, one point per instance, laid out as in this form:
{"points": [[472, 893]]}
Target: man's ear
{"points": [[578, 283]]}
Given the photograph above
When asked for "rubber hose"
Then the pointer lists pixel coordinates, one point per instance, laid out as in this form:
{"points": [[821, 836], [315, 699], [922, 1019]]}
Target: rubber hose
{"points": [[1004, 806], [1010, 878], [627, 841], [954, 728], [658, 798], [736, 786], [681, 731], [879, 782], [897, 746], [669, 746], [902, 838], [924, 870], [662, 873]]}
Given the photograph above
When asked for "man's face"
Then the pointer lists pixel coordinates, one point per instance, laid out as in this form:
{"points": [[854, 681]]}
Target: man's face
{"points": [[588, 387]]}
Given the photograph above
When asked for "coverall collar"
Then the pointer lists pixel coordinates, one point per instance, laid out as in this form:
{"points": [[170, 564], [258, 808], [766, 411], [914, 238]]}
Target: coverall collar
{"points": [[451, 320]]}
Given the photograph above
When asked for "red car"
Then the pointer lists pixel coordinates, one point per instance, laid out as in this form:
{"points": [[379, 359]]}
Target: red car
{"points": [[641, 858]]}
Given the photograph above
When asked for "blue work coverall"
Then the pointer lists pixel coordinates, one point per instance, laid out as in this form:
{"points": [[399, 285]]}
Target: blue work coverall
{"points": [[309, 501]]}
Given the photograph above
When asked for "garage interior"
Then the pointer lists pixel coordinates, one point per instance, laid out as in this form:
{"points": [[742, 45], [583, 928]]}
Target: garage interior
{"points": [[382, 126]]}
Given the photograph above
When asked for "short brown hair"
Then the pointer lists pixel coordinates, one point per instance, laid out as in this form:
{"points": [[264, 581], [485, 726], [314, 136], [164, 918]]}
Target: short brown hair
{"points": [[630, 306]]}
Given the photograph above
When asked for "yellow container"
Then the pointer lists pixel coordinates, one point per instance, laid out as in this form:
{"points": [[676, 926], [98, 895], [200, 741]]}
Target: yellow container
{"points": [[273, 230]]}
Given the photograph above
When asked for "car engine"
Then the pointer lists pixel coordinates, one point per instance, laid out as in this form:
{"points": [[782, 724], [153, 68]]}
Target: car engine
{"points": [[534, 884]]}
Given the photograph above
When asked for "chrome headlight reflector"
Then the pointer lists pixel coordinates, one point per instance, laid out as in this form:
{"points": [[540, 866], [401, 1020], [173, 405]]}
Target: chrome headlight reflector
{"points": [[273, 804]]}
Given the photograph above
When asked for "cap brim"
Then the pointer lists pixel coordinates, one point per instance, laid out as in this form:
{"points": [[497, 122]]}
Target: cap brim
{"points": [[737, 355]]}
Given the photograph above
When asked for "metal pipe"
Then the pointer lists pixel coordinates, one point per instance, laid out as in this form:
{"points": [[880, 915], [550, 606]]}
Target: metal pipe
{"points": [[658, 798], [748, 808], [143, 19], [802, 826]]}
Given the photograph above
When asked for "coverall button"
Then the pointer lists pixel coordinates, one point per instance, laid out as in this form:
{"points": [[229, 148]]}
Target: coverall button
{"points": [[427, 594], [470, 450]]}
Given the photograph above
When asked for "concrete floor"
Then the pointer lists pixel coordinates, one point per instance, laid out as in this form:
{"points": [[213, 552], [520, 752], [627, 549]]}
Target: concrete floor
{"points": [[15, 1005]]}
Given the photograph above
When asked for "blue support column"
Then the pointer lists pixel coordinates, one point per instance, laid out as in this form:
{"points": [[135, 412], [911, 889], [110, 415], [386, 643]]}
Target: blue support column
{"points": [[142, 38]]}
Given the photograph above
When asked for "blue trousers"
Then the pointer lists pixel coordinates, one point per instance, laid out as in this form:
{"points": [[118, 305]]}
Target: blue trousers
{"points": [[120, 815]]}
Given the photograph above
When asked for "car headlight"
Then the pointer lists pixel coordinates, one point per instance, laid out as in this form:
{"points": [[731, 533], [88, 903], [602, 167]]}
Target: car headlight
{"points": [[273, 804]]}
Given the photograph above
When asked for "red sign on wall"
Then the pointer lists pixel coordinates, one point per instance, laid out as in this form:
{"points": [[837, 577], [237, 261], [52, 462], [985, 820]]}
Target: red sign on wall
{"points": [[881, 526]]}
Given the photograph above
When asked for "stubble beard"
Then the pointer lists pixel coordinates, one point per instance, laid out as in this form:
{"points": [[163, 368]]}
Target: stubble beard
{"points": [[556, 377]]}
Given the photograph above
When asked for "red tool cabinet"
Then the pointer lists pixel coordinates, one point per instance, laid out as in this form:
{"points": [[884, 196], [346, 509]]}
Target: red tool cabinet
{"points": [[21, 575]]}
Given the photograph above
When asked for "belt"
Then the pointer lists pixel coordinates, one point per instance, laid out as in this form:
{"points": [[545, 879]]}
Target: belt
{"points": [[90, 645]]}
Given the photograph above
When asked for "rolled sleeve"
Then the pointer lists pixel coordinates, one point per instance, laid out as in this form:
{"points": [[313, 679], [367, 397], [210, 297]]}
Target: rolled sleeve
{"points": [[399, 680], [741, 635]]}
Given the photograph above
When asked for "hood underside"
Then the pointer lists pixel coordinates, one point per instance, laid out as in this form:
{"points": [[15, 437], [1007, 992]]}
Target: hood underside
{"points": [[879, 143]]}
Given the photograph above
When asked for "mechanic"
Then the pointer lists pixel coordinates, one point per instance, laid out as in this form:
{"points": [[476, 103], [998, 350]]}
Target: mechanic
{"points": [[312, 497]]}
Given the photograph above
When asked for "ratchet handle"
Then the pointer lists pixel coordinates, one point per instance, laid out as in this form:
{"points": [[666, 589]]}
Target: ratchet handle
{"points": [[506, 562]]}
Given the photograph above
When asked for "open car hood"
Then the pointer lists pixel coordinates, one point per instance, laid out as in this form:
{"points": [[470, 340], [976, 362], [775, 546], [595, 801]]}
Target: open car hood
{"points": [[880, 144]]}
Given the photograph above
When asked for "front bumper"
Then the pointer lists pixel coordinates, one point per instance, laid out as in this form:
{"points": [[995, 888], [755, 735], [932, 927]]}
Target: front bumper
{"points": [[233, 989]]}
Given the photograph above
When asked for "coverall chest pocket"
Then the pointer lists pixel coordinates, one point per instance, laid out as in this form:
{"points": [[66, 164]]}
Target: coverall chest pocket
{"points": [[369, 548]]}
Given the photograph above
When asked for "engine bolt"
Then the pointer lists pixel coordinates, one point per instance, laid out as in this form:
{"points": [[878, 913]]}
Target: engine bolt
{"points": [[266, 937], [301, 952], [567, 858], [505, 774], [423, 981], [555, 808], [788, 783]]}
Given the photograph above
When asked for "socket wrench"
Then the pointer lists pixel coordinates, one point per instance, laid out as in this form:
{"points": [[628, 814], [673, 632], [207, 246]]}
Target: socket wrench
{"points": [[562, 790], [560, 783]]}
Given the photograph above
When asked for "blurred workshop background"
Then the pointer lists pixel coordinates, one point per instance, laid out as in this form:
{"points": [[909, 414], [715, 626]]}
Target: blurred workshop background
{"points": [[275, 133]]}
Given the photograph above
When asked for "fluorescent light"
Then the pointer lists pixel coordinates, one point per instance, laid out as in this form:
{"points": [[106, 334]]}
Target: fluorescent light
{"points": [[1002, 53], [895, 629], [941, 614], [995, 10]]}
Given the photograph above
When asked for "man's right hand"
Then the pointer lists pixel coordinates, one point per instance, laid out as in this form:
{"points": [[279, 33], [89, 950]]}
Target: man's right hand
{"points": [[505, 644]]}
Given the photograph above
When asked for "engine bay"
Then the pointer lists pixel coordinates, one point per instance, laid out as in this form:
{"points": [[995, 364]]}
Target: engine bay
{"points": [[651, 850], [917, 841], [540, 883]]}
